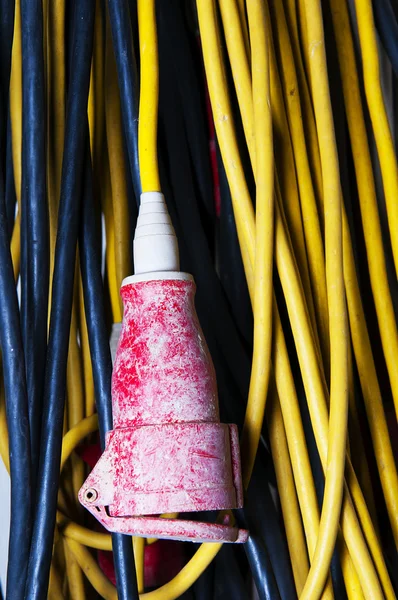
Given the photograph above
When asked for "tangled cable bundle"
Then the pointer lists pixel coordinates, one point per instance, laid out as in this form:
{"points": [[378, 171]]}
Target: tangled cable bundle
{"points": [[270, 128]]}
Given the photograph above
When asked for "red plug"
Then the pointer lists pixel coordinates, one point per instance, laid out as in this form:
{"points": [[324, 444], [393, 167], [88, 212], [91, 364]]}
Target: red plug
{"points": [[168, 451]]}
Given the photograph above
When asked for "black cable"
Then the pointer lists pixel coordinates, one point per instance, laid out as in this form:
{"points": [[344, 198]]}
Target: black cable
{"points": [[128, 83], [171, 132], [387, 27], [16, 412], [260, 567], [102, 367], [232, 273], [61, 305], [229, 583], [266, 528], [259, 561], [203, 588], [190, 87], [33, 196]]}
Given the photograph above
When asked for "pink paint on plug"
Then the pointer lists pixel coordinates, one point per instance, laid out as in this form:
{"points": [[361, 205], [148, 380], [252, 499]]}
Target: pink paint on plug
{"points": [[168, 452]]}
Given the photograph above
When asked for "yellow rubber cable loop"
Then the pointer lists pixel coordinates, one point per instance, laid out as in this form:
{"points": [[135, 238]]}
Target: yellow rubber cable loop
{"points": [[55, 586], [381, 129], [303, 32], [149, 97], [288, 181], [371, 391], [222, 114], [310, 131], [351, 580], [296, 440], [170, 591], [313, 235], [139, 550], [74, 575], [356, 442], [75, 435], [239, 59], [263, 267], [287, 491], [243, 23], [90, 567], [263, 295], [377, 268], [315, 392], [311, 223], [206, 22], [334, 479]]}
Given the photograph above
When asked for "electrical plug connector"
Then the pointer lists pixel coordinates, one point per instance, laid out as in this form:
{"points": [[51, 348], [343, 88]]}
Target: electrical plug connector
{"points": [[168, 451]]}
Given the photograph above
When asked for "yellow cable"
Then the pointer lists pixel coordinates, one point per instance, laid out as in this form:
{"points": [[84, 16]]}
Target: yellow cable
{"points": [[287, 491], [351, 580], [311, 223], [263, 267], [310, 131], [55, 586], [217, 94], [382, 133], [76, 435], [170, 591], [314, 242], [139, 550], [356, 442], [89, 566], [377, 269], [315, 392], [371, 391], [296, 440], [222, 115], [243, 24], [74, 575], [148, 112], [239, 59], [288, 182], [334, 480]]}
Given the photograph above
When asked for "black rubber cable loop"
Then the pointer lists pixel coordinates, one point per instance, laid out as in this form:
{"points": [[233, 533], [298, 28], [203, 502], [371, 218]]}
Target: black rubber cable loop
{"points": [[17, 415], [35, 266], [128, 83], [61, 304]]}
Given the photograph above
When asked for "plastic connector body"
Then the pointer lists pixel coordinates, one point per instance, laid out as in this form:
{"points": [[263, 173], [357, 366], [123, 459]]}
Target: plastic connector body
{"points": [[168, 451]]}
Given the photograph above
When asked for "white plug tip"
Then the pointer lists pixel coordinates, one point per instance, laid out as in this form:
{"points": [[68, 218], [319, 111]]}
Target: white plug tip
{"points": [[155, 241]]}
